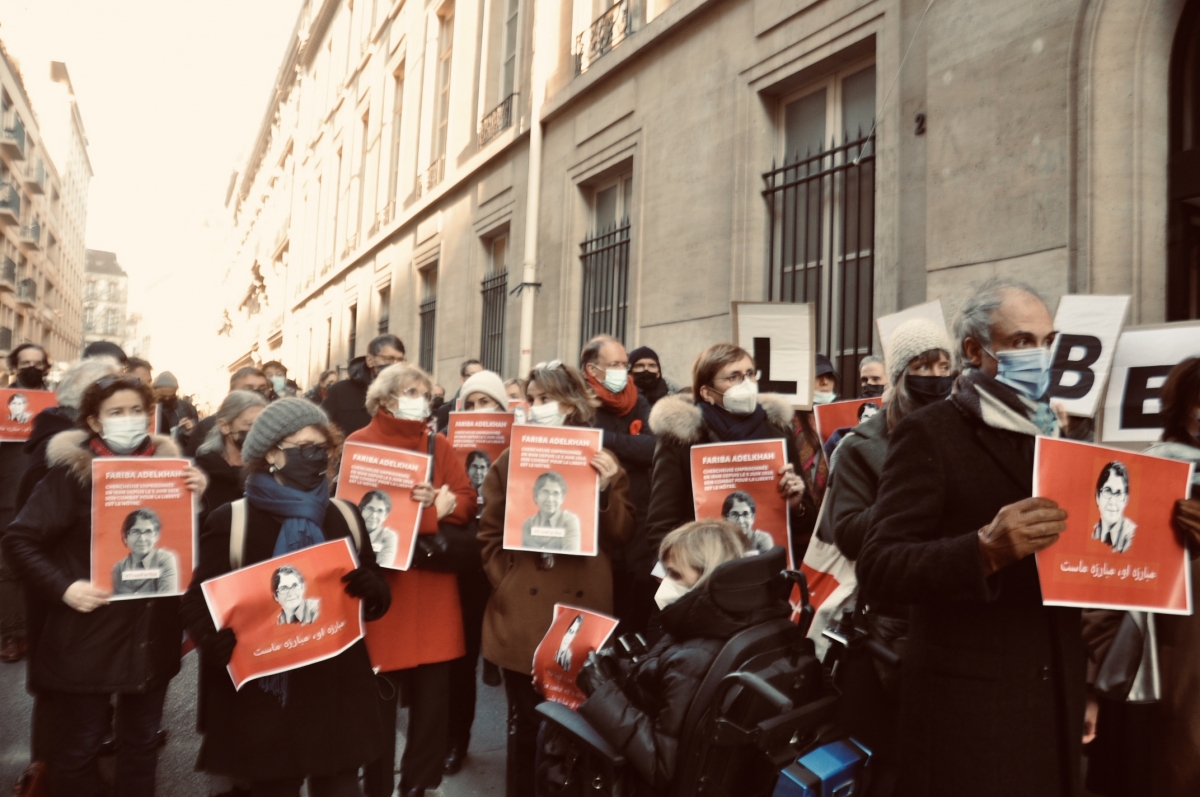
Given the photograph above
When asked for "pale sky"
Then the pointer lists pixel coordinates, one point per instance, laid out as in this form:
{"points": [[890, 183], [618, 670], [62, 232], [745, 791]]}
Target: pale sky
{"points": [[171, 94]]}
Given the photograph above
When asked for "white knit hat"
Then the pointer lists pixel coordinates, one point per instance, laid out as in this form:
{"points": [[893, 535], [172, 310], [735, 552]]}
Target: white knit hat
{"points": [[911, 339], [488, 383]]}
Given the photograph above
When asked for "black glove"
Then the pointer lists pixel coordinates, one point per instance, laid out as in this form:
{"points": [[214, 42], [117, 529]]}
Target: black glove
{"points": [[218, 647], [366, 584], [596, 673]]}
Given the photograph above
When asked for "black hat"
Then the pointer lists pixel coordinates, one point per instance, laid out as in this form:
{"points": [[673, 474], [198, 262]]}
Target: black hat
{"points": [[642, 353], [824, 366]]}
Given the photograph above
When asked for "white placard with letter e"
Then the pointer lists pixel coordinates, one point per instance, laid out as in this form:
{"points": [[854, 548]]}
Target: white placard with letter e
{"points": [[1144, 357]]}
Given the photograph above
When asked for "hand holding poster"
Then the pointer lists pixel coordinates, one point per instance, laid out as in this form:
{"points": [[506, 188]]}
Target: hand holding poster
{"points": [[1119, 550], [380, 480], [1144, 358], [739, 482], [143, 527], [478, 439], [1088, 329], [287, 612], [553, 500], [781, 337], [564, 650], [844, 414], [18, 408]]}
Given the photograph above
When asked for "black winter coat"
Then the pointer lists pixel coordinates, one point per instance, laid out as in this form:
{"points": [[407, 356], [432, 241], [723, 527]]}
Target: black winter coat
{"points": [[993, 682], [645, 719], [46, 425], [854, 485], [679, 425], [636, 454], [346, 401], [225, 482], [331, 722], [126, 647]]}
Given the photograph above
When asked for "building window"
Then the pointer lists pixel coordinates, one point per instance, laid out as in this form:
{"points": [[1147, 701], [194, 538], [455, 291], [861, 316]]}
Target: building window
{"points": [[821, 207], [328, 342], [495, 299], [364, 152], [352, 338], [385, 311], [445, 53], [428, 316], [1183, 171], [511, 31], [604, 256], [89, 319]]}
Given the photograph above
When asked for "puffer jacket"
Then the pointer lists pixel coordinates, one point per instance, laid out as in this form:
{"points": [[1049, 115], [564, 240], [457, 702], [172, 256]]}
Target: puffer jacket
{"points": [[645, 720], [124, 647]]}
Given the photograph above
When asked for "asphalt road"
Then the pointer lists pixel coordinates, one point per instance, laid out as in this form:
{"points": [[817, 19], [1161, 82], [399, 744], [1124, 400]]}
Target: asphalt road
{"points": [[482, 775]]}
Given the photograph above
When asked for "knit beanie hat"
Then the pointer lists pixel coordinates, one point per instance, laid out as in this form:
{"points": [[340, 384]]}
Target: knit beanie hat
{"points": [[912, 338], [166, 379], [488, 383], [281, 418], [643, 353]]}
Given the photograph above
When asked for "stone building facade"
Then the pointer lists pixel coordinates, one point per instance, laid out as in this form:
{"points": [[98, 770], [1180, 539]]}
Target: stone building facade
{"points": [[44, 178], [105, 300], [443, 170]]}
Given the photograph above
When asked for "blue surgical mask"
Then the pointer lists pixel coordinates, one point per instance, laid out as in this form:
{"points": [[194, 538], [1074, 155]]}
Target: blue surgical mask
{"points": [[1026, 371], [279, 383], [615, 379]]}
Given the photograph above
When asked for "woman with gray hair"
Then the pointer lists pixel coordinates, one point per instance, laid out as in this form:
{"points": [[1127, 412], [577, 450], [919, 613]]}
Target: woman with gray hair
{"points": [[220, 455]]}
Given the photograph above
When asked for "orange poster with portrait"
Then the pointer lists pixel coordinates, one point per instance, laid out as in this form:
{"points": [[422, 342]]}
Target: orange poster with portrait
{"points": [[379, 481], [478, 439], [739, 482], [519, 410], [18, 408], [1119, 550], [844, 414], [287, 612], [143, 527], [553, 500], [564, 650]]}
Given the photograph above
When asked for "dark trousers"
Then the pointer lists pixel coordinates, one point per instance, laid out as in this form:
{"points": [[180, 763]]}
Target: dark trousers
{"points": [[474, 589], [523, 726], [343, 784], [425, 690], [78, 743]]}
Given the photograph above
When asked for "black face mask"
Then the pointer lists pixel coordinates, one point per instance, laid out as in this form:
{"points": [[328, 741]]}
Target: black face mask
{"points": [[646, 380], [928, 389], [436, 402], [32, 377], [238, 439], [170, 403], [304, 468], [871, 391]]}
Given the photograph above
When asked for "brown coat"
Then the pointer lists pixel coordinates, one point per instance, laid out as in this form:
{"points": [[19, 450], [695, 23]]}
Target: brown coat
{"points": [[522, 605]]}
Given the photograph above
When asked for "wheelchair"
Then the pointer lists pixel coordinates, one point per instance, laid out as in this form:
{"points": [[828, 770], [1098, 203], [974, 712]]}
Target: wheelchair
{"points": [[765, 701]]}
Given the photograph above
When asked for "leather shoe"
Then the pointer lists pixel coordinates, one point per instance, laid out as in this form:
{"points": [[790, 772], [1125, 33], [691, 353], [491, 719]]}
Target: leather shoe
{"points": [[454, 761], [491, 674], [12, 649]]}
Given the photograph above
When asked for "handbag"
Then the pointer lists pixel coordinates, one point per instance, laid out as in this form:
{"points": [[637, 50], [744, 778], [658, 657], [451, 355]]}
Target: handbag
{"points": [[453, 549], [1129, 672]]}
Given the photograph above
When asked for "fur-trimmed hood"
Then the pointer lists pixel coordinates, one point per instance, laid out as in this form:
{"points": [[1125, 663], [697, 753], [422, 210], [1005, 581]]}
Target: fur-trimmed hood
{"points": [[70, 448], [678, 419]]}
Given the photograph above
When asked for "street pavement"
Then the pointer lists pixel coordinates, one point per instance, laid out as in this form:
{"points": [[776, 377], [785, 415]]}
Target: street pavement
{"points": [[483, 773]]}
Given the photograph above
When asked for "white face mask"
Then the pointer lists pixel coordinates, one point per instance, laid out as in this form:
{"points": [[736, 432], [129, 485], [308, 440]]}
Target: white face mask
{"points": [[411, 408], [741, 399], [125, 433], [615, 379], [669, 591], [547, 414], [824, 397]]}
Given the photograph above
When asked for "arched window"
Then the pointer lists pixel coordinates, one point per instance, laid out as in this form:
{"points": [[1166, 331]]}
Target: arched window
{"points": [[1183, 234]]}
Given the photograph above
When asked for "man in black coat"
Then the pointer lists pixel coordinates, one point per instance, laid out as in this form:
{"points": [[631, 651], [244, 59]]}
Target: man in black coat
{"points": [[346, 401], [624, 415], [993, 681]]}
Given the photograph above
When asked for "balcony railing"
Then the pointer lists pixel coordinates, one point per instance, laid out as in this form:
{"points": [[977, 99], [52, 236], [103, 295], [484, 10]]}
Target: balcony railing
{"points": [[429, 179], [10, 204], [8, 275], [12, 136], [385, 215], [612, 28], [326, 267], [497, 120], [27, 292], [35, 178], [350, 245], [30, 236]]}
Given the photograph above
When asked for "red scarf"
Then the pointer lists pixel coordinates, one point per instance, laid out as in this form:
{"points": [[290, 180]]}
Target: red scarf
{"points": [[621, 403], [100, 449]]}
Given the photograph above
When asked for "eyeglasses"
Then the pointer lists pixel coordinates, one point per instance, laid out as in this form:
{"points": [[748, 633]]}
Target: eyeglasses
{"points": [[1107, 494], [141, 533], [309, 451], [289, 588], [383, 360], [737, 377], [120, 380], [413, 392]]}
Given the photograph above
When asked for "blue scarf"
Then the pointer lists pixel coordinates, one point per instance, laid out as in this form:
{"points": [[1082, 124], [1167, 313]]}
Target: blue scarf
{"points": [[300, 514], [730, 428]]}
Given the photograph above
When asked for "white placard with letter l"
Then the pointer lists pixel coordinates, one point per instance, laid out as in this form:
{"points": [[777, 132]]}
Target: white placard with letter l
{"points": [[781, 337], [1088, 329], [1144, 357], [886, 324]]}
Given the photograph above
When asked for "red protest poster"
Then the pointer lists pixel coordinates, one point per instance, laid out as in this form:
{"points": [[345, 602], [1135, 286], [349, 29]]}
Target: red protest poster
{"points": [[553, 499], [519, 409], [564, 650], [840, 414], [18, 408], [478, 438], [1119, 550], [739, 482], [143, 527], [288, 611], [379, 480]]}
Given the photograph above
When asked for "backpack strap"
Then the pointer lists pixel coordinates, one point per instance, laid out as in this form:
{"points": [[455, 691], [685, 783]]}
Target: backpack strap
{"points": [[237, 533], [351, 520]]}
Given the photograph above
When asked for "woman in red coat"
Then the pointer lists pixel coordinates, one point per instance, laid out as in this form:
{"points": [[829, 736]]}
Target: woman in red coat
{"points": [[424, 627]]}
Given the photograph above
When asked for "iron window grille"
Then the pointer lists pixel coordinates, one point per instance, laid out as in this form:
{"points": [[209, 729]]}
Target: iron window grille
{"points": [[821, 243], [495, 299], [428, 331], [496, 121], [605, 261]]}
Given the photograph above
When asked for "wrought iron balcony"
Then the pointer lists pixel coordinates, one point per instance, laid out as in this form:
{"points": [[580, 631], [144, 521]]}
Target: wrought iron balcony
{"points": [[10, 204], [497, 120], [27, 292], [30, 236], [429, 179], [12, 136], [326, 266], [8, 275], [35, 178], [613, 27]]}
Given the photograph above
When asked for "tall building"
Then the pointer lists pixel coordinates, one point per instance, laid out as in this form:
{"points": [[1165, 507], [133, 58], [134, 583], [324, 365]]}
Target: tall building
{"points": [[44, 178], [105, 299], [450, 171]]}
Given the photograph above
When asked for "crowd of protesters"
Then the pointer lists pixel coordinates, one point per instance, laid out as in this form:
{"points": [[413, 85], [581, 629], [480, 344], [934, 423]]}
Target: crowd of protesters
{"points": [[930, 498]]}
